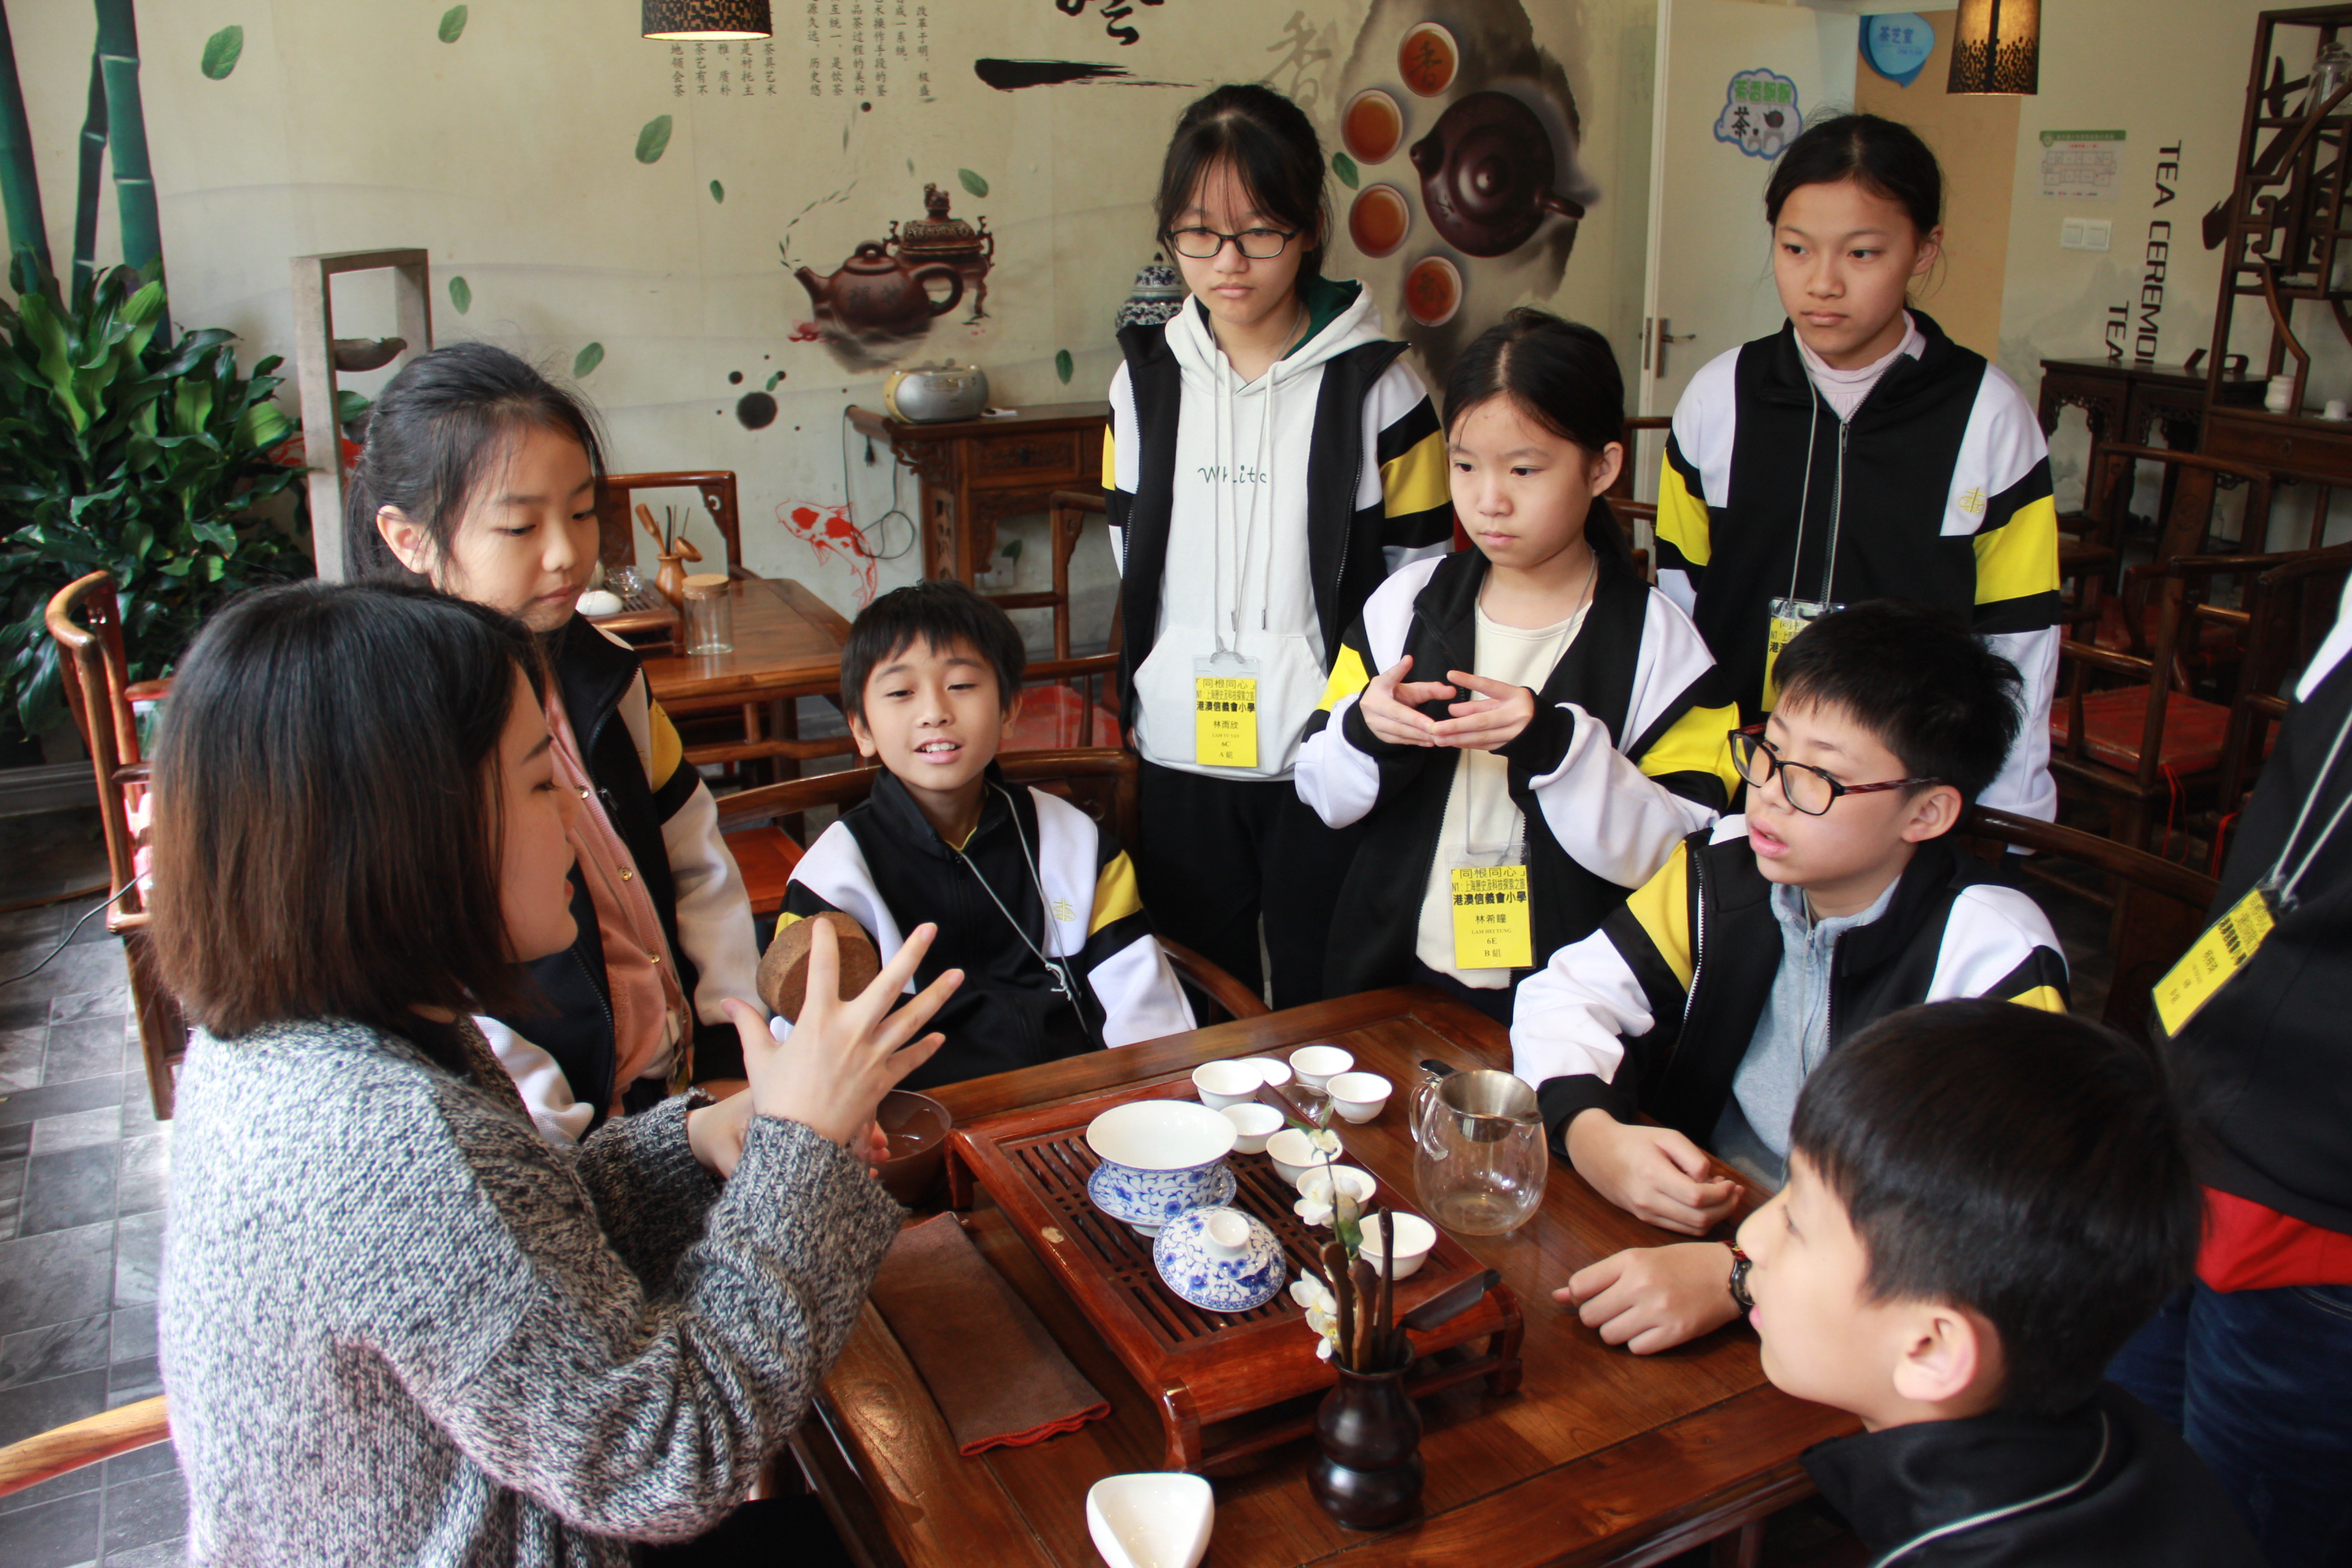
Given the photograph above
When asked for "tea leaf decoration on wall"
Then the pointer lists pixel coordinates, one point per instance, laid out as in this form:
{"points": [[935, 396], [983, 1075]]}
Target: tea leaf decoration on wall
{"points": [[221, 51], [773, 379], [1065, 366], [461, 294], [973, 182], [654, 140], [1345, 167], [586, 360], [718, 193], [453, 22]]}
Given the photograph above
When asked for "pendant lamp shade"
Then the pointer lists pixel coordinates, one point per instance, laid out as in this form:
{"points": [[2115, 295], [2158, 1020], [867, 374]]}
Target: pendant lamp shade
{"points": [[707, 19], [1997, 48]]}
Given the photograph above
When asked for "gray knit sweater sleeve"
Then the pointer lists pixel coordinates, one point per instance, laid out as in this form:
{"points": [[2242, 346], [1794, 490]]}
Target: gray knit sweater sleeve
{"points": [[400, 1325]]}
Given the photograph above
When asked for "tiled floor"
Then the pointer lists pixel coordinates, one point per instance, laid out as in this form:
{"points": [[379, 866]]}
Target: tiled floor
{"points": [[82, 1168]]}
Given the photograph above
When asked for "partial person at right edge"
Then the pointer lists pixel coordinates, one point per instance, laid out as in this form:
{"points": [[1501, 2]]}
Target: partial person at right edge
{"points": [[1271, 459], [2252, 1360], [1859, 453]]}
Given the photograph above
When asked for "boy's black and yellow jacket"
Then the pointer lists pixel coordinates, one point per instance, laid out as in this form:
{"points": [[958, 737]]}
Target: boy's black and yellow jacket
{"points": [[1936, 491], [1599, 815], [1068, 884], [1653, 1012]]}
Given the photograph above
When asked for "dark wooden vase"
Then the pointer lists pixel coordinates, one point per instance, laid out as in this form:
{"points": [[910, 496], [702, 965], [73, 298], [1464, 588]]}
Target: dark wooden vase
{"points": [[1368, 1474]]}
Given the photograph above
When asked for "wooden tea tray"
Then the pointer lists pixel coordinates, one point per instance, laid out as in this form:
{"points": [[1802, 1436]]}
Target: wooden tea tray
{"points": [[1204, 1367], [646, 621]]}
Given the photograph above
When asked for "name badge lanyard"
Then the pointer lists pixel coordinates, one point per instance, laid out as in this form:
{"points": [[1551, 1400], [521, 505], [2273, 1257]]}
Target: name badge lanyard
{"points": [[1065, 984], [2229, 943], [1790, 615], [1225, 685]]}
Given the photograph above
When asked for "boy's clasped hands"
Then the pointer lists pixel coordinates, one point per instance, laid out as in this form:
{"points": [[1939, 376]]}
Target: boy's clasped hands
{"points": [[1494, 717]]}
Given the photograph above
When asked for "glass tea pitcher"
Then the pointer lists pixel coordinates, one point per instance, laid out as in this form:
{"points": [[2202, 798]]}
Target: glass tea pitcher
{"points": [[1479, 1157]]}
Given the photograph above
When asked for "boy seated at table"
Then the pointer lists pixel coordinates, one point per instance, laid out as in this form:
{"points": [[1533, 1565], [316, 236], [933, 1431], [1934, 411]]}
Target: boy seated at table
{"points": [[1034, 904], [1983, 1203], [1770, 938]]}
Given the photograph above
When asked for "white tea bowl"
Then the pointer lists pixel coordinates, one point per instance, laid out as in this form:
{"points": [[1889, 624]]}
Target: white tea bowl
{"points": [[1358, 1096], [1315, 1065], [1414, 1238], [1160, 1157], [1221, 1084], [1293, 1156], [1255, 1123], [1151, 1518]]}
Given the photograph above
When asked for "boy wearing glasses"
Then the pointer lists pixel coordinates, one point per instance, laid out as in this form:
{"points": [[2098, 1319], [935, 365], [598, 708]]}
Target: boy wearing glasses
{"points": [[1837, 899]]}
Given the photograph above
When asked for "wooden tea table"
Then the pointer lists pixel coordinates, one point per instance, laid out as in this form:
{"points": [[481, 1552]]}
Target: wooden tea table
{"points": [[787, 646], [1599, 1457]]}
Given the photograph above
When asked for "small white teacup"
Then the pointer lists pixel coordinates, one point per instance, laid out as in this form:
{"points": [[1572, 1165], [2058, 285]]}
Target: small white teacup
{"points": [[1221, 1084], [1415, 1237], [1256, 1123], [1293, 1155], [1316, 1064], [1358, 1096]]}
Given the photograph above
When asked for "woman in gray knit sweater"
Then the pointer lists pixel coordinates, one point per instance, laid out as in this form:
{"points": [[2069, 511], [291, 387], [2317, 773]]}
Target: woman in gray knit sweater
{"points": [[398, 1325]]}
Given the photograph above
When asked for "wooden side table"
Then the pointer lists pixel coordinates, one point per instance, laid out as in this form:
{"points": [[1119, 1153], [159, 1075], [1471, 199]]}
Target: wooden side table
{"points": [[977, 472]]}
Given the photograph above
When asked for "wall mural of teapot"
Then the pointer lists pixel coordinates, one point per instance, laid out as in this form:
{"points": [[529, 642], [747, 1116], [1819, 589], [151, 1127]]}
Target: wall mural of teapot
{"points": [[1467, 143], [881, 302]]}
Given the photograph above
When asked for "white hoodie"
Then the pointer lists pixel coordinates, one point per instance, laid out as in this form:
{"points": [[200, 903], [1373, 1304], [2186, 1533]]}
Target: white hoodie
{"points": [[1236, 577]]}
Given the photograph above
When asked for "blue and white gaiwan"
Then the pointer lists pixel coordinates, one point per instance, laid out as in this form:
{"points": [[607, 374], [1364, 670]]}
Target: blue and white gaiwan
{"points": [[1220, 1259], [1160, 1158]]}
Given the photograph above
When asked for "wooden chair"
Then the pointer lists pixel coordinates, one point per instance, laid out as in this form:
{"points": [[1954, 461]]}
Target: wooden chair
{"points": [[2155, 907], [1066, 702], [1100, 781], [45, 1456], [100, 693], [2124, 620], [2121, 745], [618, 530]]}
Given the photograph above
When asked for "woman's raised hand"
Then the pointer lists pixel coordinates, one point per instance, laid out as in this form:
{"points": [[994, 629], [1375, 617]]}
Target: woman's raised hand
{"points": [[1390, 705], [845, 1053]]}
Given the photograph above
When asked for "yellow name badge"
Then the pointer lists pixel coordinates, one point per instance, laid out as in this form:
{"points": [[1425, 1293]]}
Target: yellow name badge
{"points": [[1491, 929], [1224, 720], [1779, 634], [2221, 952]]}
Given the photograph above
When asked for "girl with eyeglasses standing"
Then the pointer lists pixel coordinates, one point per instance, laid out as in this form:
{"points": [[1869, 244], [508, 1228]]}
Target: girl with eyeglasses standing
{"points": [[1271, 459]]}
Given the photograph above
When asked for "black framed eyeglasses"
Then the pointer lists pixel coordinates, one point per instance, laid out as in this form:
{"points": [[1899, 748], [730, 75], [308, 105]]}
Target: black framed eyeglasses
{"points": [[1203, 244], [1807, 788]]}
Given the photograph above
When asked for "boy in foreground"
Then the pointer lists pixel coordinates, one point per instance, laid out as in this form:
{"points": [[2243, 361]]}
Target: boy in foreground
{"points": [[1983, 1203], [1034, 904], [1769, 940]]}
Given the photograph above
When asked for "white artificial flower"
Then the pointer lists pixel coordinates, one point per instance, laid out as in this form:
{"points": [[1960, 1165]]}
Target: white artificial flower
{"points": [[1322, 1312], [1315, 1210]]}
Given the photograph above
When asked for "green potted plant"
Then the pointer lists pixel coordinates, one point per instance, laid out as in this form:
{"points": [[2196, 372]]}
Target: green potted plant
{"points": [[122, 450]]}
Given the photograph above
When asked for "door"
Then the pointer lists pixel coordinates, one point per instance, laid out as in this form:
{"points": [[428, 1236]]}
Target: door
{"points": [[1735, 81]]}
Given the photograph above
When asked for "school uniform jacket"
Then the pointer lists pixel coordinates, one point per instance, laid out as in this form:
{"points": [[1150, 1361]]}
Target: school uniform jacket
{"points": [[885, 867], [1599, 817], [1937, 491], [1654, 1010], [562, 1055], [1375, 493], [2105, 1484]]}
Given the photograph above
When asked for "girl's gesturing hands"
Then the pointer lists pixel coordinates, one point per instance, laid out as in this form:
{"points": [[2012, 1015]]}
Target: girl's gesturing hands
{"points": [[1392, 706], [1493, 718]]}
